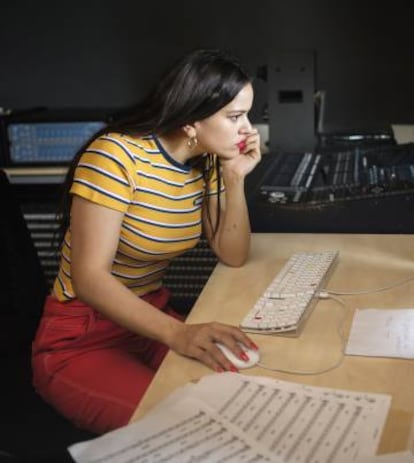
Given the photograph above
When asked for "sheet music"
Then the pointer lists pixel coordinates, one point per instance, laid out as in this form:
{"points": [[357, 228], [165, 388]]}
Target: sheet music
{"points": [[187, 431], [296, 422], [382, 333], [230, 417]]}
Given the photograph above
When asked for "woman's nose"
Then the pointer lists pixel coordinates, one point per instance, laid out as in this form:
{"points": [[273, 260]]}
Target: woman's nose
{"points": [[246, 127]]}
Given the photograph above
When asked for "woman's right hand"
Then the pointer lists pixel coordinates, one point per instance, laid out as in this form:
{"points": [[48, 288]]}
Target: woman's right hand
{"points": [[199, 342]]}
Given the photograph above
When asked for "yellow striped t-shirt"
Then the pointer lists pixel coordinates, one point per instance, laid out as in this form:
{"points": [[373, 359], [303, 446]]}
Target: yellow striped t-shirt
{"points": [[161, 201]]}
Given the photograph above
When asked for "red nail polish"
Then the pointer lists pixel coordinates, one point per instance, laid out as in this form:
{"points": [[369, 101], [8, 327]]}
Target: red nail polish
{"points": [[234, 369], [244, 356]]}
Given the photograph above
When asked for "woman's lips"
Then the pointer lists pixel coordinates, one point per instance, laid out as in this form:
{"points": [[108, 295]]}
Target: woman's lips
{"points": [[241, 145]]}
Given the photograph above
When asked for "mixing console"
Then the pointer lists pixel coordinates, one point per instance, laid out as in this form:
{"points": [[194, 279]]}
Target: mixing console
{"points": [[326, 177]]}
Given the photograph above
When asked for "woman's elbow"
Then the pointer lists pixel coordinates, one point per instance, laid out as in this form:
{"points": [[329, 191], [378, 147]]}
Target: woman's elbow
{"points": [[80, 289], [234, 261], [83, 282]]}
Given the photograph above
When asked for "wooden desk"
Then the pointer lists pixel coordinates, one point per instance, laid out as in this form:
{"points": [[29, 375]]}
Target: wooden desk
{"points": [[365, 261]]}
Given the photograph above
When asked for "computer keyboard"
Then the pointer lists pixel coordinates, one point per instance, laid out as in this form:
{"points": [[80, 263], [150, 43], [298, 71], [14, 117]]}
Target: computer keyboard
{"points": [[288, 300]]}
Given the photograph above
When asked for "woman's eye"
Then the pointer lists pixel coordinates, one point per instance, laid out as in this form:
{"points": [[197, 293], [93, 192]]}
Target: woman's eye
{"points": [[234, 118]]}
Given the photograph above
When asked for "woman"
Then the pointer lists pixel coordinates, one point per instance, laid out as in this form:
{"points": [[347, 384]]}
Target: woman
{"points": [[139, 195]]}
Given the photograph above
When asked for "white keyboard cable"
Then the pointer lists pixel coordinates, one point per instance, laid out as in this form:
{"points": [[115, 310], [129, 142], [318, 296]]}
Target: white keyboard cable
{"points": [[400, 282], [340, 329], [332, 294]]}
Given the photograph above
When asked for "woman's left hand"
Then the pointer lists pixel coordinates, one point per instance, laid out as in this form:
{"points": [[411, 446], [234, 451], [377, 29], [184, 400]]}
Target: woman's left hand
{"points": [[248, 157]]}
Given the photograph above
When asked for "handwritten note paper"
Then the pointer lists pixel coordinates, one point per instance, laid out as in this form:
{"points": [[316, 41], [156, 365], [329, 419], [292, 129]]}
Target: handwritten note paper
{"points": [[382, 333]]}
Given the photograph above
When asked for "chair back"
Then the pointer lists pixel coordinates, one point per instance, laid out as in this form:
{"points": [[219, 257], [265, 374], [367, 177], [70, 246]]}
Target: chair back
{"points": [[23, 287]]}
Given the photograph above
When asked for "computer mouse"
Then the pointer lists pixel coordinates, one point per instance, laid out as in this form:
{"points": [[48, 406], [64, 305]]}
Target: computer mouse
{"points": [[254, 356]]}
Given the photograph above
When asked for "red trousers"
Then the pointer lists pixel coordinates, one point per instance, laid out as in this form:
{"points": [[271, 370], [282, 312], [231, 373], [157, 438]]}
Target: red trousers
{"points": [[91, 370]]}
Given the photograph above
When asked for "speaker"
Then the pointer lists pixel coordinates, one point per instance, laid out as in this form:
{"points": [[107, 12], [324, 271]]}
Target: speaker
{"points": [[291, 87]]}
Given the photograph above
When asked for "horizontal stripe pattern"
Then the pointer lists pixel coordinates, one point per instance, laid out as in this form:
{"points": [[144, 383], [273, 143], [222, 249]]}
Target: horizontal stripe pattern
{"points": [[160, 200]]}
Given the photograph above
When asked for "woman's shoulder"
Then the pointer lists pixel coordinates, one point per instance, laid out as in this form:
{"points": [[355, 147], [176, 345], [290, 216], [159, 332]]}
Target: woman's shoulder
{"points": [[139, 145], [138, 142], [134, 147]]}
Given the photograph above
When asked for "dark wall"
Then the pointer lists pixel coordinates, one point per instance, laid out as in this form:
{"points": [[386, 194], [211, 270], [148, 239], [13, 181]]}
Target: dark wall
{"points": [[105, 53]]}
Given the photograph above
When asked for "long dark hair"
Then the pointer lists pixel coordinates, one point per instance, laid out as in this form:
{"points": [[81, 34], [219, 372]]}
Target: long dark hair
{"points": [[196, 87]]}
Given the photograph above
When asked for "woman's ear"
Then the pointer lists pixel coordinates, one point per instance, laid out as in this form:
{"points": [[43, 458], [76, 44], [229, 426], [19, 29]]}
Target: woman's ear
{"points": [[189, 131]]}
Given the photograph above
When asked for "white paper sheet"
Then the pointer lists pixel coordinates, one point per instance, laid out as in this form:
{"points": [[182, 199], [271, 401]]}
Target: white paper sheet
{"points": [[182, 432], [238, 418], [297, 422], [382, 333]]}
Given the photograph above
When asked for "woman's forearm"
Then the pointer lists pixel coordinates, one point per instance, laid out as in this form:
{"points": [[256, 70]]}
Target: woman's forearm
{"points": [[197, 341], [107, 295], [232, 241]]}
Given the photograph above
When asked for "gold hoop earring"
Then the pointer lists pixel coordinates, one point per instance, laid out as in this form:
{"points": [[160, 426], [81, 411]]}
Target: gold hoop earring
{"points": [[192, 142]]}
